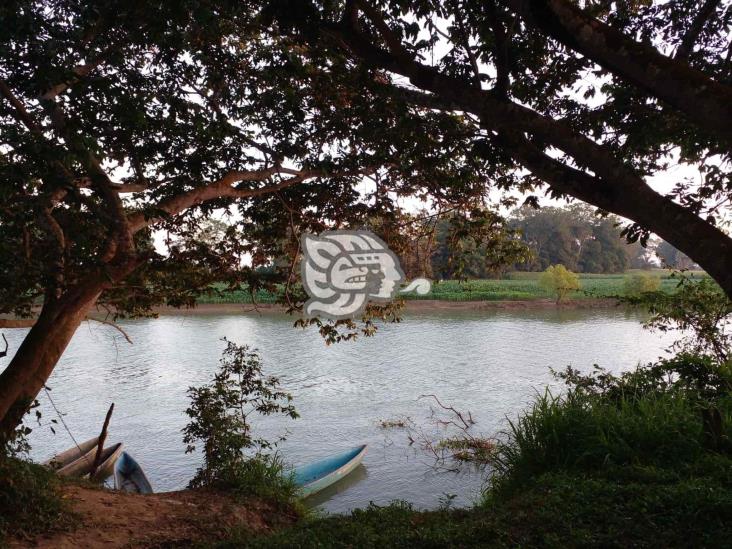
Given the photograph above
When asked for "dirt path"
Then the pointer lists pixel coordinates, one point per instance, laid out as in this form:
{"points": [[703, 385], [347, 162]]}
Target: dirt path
{"points": [[174, 519]]}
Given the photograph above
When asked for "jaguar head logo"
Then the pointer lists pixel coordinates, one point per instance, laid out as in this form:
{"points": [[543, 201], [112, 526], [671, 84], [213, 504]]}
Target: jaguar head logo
{"points": [[343, 270]]}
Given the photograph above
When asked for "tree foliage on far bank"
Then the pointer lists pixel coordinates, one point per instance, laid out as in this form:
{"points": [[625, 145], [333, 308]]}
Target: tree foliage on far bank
{"points": [[559, 281], [573, 236]]}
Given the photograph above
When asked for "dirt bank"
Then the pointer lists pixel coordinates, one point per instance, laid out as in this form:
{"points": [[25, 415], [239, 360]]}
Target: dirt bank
{"points": [[113, 519]]}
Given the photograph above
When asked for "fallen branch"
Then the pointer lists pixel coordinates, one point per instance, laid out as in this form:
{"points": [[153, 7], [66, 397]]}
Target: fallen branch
{"points": [[466, 422]]}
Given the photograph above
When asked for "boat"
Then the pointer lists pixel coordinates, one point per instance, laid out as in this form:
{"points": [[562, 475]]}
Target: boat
{"points": [[316, 476], [75, 461], [106, 464], [129, 476]]}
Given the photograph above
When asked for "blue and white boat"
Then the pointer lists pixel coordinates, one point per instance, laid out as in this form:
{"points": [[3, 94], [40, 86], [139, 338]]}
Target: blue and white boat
{"points": [[320, 474], [129, 476]]}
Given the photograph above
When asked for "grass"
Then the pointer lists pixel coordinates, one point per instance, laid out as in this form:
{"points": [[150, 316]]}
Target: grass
{"points": [[629, 467], [264, 477], [515, 286], [30, 500]]}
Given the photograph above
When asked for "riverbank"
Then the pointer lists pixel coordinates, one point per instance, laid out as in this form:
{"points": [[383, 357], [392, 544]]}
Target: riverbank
{"points": [[110, 519], [521, 287], [606, 465], [410, 306]]}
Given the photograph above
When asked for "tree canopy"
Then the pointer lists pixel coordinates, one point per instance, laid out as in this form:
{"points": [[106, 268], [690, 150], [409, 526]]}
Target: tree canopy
{"points": [[589, 99], [119, 119], [573, 237]]}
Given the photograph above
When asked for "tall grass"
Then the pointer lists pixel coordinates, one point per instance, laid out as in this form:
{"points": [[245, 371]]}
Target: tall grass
{"points": [[581, 432]]}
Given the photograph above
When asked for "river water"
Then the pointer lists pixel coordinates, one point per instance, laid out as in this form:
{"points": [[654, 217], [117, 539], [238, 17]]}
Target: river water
{"points": [[491, 363]]}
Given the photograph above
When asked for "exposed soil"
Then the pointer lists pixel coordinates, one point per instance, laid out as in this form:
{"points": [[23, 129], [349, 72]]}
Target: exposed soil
{"points": [[174, 519]]}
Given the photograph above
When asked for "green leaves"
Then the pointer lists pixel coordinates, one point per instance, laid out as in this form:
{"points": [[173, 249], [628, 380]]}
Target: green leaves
{"points": [[220, 416], [560, 282]]}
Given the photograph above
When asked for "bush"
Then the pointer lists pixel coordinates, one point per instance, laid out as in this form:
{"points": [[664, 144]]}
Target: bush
{"points": [[233, 458], [558, 281], [636, 284], [652, 417], [30, 500]]}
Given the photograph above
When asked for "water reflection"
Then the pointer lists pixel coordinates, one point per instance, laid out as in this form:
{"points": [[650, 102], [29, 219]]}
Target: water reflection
{"points": [[357, 475]]}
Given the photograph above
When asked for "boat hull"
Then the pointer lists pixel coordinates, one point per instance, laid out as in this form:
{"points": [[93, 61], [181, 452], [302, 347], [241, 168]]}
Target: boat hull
{"points": [[108, 459], [129, 476], [314, 477], [61, 461]]}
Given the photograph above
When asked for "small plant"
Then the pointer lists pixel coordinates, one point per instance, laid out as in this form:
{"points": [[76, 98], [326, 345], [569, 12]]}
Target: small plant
{"points": [[446, 500], [234, 459], [559, 281], [637, 284]]}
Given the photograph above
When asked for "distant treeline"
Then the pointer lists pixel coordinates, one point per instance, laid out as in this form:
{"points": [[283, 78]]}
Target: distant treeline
{"points": [[573, 236]]}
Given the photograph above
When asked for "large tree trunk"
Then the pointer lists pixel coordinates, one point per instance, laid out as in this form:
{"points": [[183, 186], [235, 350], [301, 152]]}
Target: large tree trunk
{"points": [[42, 347]]}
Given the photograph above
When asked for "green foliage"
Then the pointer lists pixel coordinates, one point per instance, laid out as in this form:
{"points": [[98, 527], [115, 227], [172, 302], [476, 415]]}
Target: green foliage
{"points": [[639, 283], [220, 415], [30, 500], [646, 508], [700, 309], [16, 445], [573, 236], [649, 417], [514, 286], [478, 245], [558, 281]]}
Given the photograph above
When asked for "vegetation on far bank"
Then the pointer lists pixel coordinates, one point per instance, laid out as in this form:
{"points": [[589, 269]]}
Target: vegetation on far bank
{"points": [[514, 286]]}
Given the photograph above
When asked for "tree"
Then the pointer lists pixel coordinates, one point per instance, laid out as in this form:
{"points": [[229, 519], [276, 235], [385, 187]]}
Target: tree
{"points": [[573, 236], [118, 120], [220, 415], [636, 284], [475, 246], [589, 100], [672, 257], [558, 281]]}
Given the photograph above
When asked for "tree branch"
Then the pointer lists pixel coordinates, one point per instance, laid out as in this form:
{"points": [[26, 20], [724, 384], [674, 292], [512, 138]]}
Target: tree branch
{"points": [[223, 189], [697, 25], [706, 103], [80, 72], [112, 324], [17, 322]]}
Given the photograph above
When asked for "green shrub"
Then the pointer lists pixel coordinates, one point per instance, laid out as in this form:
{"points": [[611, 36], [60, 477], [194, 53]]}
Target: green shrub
{"points": [[30, 500], [636, 284], [559, 281], [233, 458]]}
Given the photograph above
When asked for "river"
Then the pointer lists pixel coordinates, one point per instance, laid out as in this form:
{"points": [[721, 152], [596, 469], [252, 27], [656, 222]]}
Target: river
{"points": [[490, 363]]}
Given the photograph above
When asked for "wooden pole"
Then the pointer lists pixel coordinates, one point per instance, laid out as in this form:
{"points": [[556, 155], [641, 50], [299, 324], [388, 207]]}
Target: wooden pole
{"points": [[102, 438]]}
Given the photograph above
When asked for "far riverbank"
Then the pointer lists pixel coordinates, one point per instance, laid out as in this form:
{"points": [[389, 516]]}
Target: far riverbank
{"points": [[410, 306]]}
